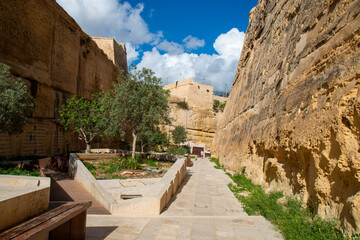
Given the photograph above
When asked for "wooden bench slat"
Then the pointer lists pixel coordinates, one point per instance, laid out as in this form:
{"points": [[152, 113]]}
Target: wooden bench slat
{"points": [[23, 227], [46, 221]]}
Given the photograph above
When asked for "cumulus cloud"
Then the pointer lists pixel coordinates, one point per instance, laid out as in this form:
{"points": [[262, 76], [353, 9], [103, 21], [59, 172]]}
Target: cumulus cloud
{"points": [[217, 69], [193, 42], [170, 47], [110, 18], [132, 54]]}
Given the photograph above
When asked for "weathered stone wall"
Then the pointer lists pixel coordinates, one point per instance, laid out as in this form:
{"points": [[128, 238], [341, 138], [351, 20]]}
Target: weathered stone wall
{"points": [[199, 119], [116, 52], [47, 48], [293, 115]]}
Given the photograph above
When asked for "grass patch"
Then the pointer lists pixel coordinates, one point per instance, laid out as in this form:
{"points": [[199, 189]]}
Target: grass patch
{"points": [[291, 217], [26, 170], [217, 163]]}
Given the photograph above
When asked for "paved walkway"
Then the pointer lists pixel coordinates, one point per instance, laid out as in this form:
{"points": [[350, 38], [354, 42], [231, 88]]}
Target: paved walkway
{"points": [[204, 208]]}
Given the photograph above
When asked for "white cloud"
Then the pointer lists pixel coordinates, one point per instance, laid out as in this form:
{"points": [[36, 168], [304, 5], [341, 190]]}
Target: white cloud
{"points": [[170, 47], [193, 42], [132, 54], [228, 44], [217, 69], [110, 18]]}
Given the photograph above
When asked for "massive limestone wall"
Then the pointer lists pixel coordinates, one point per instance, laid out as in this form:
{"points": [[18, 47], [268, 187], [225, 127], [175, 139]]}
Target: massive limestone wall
{"points": [[199, 120], [48, 49], [293, 115]]}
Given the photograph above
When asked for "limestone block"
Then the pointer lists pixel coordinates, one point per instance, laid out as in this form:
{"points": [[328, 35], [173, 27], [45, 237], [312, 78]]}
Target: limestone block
{"points": [[22, 198]]}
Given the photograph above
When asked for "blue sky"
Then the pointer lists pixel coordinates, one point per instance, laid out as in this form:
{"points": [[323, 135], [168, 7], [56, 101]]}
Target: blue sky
{"points": [[176, 39]]}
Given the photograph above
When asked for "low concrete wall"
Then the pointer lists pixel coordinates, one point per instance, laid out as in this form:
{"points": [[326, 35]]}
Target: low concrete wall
{"points": [[97, 156], [106, 153], [78, 171], [22, 198], [151, 203], [156, 200]]}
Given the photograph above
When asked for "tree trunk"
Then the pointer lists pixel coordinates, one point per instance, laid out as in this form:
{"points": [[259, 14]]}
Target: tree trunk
{"points": [[142, 147], [134, 135], [88, 148]]}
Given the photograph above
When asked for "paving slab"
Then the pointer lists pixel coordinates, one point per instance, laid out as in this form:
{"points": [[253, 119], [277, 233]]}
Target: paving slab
{"points": [[203, 208]]}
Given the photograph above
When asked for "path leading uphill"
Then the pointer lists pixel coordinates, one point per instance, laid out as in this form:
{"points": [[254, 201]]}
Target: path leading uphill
{"points": [[204, 208]]}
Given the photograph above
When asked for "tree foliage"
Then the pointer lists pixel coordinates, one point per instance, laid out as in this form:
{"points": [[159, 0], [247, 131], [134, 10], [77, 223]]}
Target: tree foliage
{"points": [[137, 103], [86, 117], [152, 138], [216, 105], [179, 135], [16, 103]]}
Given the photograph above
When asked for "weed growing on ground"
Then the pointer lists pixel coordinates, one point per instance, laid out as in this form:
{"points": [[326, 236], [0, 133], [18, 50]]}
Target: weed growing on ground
{"points": [[216, 161], [292, 218], [27, 170]]}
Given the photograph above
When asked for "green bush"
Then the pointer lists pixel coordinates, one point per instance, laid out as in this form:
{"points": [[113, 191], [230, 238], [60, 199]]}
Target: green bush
{"points": [[130, 164], [222, 106], [175, 150], [216, 105], [183, 105]]}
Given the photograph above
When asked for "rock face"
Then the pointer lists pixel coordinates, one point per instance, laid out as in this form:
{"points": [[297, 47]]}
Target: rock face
{"points": [[47, 48], [199, 119], [293, 115]]}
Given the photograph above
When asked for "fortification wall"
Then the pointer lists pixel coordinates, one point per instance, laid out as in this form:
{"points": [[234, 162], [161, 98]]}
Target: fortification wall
{"points": [[199, 119], [116, 52], [292, 118], [46, 47]]}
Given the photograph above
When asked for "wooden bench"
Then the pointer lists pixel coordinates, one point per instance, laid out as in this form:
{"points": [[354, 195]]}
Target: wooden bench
{"points": [[64, 220]]}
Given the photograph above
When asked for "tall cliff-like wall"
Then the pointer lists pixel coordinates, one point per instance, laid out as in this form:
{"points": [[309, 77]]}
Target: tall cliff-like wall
{"points": [[293, 115], [48, 49], [199, 119]]}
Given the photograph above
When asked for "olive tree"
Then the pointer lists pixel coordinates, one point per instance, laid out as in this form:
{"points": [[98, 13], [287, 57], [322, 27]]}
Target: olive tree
{"points": [[179, 135], [84, 116], [16, 103], [136, 103]]}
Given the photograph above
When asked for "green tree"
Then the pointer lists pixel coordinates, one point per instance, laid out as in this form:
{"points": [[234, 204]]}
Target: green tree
{"points": [[137, 103], [152, 138], [179, 135], [16, 103], [86, 117]]}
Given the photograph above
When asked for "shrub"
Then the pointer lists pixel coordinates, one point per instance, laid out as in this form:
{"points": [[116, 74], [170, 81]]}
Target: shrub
{"points": [[222, 106], [216, 105], [183, 105], [175, 150]]}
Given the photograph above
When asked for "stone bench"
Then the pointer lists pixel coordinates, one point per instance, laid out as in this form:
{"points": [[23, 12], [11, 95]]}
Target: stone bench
{"points": [[64, 220]]}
